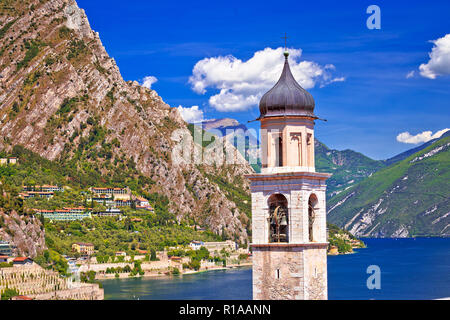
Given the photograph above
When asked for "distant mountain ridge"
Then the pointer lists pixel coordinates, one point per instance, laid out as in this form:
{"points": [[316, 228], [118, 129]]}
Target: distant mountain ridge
{"points": [[347, 167], [408, 198], [409, 152], [223, 125]]}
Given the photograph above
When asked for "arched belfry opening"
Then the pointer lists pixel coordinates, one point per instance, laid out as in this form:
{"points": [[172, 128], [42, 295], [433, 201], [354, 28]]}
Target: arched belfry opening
{"points": [[312, 209], [278, 218]]}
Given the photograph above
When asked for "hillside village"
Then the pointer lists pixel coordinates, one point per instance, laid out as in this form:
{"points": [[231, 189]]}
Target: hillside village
{"points": [[110, 198]]}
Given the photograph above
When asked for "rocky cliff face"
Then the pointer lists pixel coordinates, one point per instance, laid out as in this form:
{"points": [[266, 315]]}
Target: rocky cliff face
{"points": [[23, 232], [59, 89]]}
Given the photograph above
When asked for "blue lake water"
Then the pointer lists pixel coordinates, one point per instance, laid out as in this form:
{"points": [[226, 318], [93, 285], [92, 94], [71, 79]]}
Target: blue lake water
{"points": [[410, 269]]}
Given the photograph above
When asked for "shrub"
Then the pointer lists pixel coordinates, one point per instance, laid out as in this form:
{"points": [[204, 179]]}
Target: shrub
{"points": [[32, 52], [175, 271], [9, 293]]}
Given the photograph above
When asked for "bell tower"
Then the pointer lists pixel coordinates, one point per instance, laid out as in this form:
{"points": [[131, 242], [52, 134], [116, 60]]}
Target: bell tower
{"points": [[288, 199]]}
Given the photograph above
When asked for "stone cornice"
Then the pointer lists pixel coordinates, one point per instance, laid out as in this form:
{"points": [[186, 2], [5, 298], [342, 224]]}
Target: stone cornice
{"points": [[290, 245], [288, 176], [295, 118]]}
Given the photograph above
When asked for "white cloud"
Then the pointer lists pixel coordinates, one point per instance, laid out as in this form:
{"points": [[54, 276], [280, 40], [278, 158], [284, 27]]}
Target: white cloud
{"points": [[410, 74], [406, 137], [192, 114], [439, 63], [242, 83], [148, 81]]}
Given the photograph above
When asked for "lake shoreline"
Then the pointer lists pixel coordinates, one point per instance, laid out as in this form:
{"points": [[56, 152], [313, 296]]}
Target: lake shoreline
{"points": [[166, 274], [347, 276]]}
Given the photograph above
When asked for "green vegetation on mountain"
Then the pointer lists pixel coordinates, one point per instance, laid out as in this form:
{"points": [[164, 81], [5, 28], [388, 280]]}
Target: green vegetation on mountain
{"points": [[348, 167], [134, 231], [408, 198]]}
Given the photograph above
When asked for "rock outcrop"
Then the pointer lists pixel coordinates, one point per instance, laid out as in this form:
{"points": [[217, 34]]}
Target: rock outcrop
{"points": [[23, 232]]}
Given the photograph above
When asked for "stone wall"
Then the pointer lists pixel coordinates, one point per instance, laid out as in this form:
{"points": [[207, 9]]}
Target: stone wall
{"points": [[315, 268], [288, 285], [98, 267], [290, 272]]}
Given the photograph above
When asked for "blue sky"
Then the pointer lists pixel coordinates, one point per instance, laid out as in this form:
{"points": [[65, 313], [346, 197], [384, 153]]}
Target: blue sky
{"points": [[365, 112]]}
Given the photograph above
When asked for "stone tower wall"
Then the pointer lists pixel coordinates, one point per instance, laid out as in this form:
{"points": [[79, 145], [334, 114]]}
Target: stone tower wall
{"points": [[266, 284], [297, 269]]}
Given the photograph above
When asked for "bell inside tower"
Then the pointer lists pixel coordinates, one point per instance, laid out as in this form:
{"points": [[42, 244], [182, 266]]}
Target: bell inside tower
{"points": [[278, 218]]}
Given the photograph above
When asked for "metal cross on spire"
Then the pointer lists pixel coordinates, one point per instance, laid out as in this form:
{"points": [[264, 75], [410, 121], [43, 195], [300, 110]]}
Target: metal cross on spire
{"points": [[285, 41]]}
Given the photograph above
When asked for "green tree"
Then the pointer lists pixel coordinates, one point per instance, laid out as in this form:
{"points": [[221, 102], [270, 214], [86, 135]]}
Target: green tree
{"points": [[153, 255], [9, 293]]}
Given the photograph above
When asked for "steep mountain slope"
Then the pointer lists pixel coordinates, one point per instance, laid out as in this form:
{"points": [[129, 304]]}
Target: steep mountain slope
{"points": [[62, 97], [408, 198], [348, 167]]}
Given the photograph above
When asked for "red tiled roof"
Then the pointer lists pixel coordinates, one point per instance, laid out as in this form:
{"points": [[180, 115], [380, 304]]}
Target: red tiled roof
{"points": [[20, 259], [175, 258], [84, 244], [40, 192], [3, 257], [101, 188], [22, 298]]}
